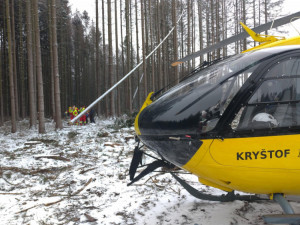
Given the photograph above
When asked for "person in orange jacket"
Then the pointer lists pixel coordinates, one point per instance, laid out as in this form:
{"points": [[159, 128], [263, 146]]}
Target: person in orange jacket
{"points": [[70, 112], [82, 118]]}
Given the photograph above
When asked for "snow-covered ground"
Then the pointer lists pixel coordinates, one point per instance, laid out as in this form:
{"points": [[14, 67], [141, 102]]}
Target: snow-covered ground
{"points": [[79, 175]]}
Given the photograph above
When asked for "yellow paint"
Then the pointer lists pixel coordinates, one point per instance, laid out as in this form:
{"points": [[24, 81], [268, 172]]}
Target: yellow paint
{"points": [[216, 164], [209, 183], [289, 41], [269, 41], [176, 63], [260, 37], [147, 102]]}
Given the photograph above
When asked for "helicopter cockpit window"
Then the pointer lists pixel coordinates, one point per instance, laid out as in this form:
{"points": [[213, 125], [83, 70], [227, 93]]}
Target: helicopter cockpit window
{"points": [[211, 76], [276, 102], [220, 98]]}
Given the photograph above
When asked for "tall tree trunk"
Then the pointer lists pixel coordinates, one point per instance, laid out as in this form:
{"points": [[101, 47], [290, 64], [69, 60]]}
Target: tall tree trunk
{"points": [[182, 41], [152, 87], [254, 17], [117, 60], [266, 14], [31, 87], [212, 23], [208, 34], [98, 78], [224, 25], [1, 87], [189, 31], [218, 29], [124, 102], [11, 76], [55, 68], [105, 111], [200, 13], [244, 21], [236, 25], [34, 58], [51, 61], [137, 54], [175, 44], [21, 61], [128, 63], [144, 50], [14, 58], [110, 59], [40, 88]]}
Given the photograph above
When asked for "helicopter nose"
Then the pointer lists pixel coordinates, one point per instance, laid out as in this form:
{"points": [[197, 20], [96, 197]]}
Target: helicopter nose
{"points": [[169, 137]]}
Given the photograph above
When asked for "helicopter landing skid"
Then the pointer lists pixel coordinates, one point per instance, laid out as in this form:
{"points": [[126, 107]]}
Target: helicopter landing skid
{"points": [[229, 197], [289, 218]]}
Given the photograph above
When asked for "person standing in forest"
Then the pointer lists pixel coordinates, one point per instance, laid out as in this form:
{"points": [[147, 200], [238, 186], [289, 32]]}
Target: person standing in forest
{"points": [[92, 115]]}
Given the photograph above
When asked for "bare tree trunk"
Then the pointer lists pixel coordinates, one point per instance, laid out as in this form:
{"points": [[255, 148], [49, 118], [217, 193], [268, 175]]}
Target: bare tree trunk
{"points": [[208, 34], [14, 58], [98, 78], [39, 69], [175, 43], [244, 21], [182, 41], [137, 53], [11, 76], [51, 61], [200, 13], [124, 103], [55, 69], [254, 17], [144, 50], [34, 58], [218, 30], [266, 14], [1, 89], [31, 87], [194, 30], [21, 61], [224, 25], [236, 26], [189, 31], [127, 17], [259, 12], [1, 92], [110, 59], [117, 60], [152, 85], [212, 23], [105, 111]]}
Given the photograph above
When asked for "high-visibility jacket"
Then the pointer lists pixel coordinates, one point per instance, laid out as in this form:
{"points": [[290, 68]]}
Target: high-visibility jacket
{"points": [[75, 112]]}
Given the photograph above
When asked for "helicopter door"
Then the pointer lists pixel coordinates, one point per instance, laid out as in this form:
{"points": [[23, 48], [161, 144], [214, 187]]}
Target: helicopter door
{"points": [[266, 130]]}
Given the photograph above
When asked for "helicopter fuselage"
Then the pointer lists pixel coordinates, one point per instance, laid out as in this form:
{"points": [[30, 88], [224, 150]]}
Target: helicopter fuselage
{"points": [[235, 124]]}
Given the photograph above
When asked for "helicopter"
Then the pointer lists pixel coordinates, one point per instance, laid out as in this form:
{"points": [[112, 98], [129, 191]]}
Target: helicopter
{"points": [[234, 124]]}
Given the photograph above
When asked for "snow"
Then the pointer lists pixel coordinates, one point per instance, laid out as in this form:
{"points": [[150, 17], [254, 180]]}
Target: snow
{"points": [[85, 182]]}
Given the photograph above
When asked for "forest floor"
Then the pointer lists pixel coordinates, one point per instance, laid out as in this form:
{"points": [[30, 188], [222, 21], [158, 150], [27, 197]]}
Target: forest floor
{"points": [[79, 175]]}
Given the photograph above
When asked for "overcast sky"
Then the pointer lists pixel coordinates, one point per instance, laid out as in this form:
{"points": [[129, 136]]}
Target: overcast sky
{"points": [[81, 5], [89, 6]]}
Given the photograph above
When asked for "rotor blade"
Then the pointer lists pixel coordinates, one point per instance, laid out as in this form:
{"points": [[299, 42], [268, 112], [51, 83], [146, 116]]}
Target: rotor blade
{"points": [[258, 29]]}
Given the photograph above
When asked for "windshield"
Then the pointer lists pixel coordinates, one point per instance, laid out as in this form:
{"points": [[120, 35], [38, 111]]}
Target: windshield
{"points": [[216, 73], [196, 104]]}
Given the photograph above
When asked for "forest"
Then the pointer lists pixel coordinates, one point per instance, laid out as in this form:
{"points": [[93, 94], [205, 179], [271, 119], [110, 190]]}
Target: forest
{"points": [[51, 58]]}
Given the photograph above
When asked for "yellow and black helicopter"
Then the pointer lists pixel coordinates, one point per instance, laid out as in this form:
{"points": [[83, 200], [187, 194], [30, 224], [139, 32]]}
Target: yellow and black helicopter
{"points": [[234, 124]]}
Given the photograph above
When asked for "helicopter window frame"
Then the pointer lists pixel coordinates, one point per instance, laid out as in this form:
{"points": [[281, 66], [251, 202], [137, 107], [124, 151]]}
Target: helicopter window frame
{"points": [[235, 63], [292, 105]]}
